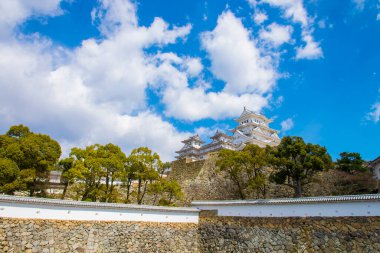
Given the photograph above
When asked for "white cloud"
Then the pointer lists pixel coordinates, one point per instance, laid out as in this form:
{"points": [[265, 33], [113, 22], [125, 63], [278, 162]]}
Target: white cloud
{"points": [[195, 104], [322, 24], [295, 10], [193, 66], [286, 125], [311, 50], [259, 17], [359, 4], [374, 115], [236, 59], [92, 94], [276, 34], [14, 12]]}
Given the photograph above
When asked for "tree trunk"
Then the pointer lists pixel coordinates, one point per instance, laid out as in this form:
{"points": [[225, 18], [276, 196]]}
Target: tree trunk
{"points": [[64, 190], [240, 190], [143, 193], [155, 199], [129, 183], [298, 189], [107, 186], [139, 192], [110, 190]]}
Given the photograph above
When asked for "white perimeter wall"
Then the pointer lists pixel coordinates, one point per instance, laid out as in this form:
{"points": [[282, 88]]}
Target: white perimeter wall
{"points": [[365, 208], [46, 211]]}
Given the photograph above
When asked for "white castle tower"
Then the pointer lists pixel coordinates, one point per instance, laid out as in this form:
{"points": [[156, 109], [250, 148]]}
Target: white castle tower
{"points": [[253, 128]]}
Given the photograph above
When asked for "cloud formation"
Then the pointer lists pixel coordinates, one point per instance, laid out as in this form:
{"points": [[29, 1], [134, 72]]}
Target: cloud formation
{"points": [[286, 125], [15, 12], [235, 59], [295, 11], [374, 114], [89, 94], [276, 34]]}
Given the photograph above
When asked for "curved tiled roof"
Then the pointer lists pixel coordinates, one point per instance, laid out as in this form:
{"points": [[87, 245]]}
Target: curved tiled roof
{"points": [[101, 205], [307, 200]]}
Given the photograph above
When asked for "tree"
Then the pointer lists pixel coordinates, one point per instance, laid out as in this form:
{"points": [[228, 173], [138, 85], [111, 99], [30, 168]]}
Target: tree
{"points": [[143, 166], [113, 162], [34, 154], [294, 163], [96, 167], [244, 169], [173, 191], [229, 161], [351, 163], [255, 159], [167, 191], [9, 176], [65, 165]]}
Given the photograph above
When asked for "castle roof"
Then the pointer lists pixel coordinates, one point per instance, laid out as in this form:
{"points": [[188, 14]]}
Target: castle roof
{"points": [[374, 162], [220, 134], [250, 114], [194, 138]]}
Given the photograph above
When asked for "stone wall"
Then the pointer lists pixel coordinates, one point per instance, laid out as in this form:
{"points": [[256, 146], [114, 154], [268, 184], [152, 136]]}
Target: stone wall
{"points": [[201, 180], [212, 234], [343, 234], [19, 235]]}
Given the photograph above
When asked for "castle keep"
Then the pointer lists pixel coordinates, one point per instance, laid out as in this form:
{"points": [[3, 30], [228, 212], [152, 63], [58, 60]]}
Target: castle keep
{"points": [[252, 128]]}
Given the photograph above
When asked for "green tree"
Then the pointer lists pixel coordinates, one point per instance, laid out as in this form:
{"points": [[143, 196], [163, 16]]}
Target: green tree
{"points": [[65, 165], [167, 191], [113, 163], [245, 169], [173, 191], [143, 166], [93, 165], [9, 176], [351, 163], [255, 159], [35, 156], [230, 162], [295, 162]]}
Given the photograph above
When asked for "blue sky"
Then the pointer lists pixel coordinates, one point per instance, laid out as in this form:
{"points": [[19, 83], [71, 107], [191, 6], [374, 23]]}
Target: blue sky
{"points": [[151, 73]]}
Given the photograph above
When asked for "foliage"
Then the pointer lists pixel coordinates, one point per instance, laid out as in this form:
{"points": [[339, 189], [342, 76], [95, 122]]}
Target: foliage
{"points": [[34, 154], [95, 168], [351, 163], [65, 165], [244, 169], [167, 191], [346, 183], [295, 162], [9, 176], [143, 166]]}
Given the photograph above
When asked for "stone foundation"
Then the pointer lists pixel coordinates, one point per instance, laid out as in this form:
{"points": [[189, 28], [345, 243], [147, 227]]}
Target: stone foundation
{"points": [[18, 235], [201, 180], [212, 234], [233, 234]]}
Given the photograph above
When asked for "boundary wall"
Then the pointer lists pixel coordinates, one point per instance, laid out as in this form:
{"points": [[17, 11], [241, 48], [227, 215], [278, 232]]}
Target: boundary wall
{"points": [[333, 224], [331, 206], [54, 209]]}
